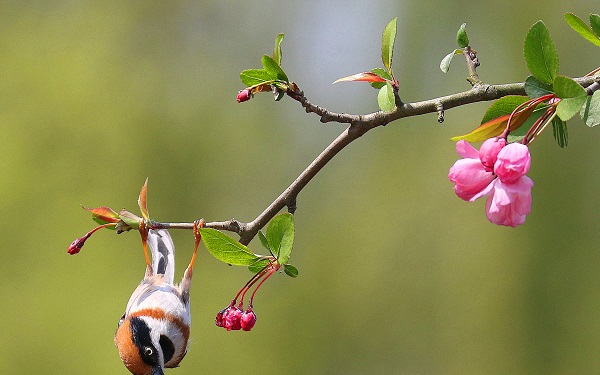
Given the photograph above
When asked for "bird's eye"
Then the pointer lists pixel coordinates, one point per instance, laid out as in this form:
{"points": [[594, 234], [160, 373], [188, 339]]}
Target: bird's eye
{"points": [[148, 351]]}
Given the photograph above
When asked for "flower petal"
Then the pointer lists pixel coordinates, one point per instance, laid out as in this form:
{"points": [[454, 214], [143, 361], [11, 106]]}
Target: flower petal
{"points": [[470, 178], [465, 150]]}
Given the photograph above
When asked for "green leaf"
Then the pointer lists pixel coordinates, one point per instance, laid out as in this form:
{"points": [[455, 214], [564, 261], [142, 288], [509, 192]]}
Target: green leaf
{"points": [[280, 236], [386, 99], [382, 73], [566, 87], [595, 23], [290, 270], [540, 53], [277, 49], [387, 44], [572, 96], [503, 106], [560, 132], [445, 63], [257, 266], [568, 107], [226, 249], [461, 36], [580, 27], [534, 88], [263, 240], [590, 111], [254, 77], [130, 219], [273, 69]]}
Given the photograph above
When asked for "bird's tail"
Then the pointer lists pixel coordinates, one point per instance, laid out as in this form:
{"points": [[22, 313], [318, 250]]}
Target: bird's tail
{"points": [[163, 253]]}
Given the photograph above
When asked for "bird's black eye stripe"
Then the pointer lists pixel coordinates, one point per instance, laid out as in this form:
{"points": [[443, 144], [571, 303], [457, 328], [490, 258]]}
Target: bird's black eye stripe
{"points": [[167, 347], [140, 333]]}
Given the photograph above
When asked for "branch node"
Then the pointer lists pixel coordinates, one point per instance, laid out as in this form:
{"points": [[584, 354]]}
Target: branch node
{"points": [[439, 107]]}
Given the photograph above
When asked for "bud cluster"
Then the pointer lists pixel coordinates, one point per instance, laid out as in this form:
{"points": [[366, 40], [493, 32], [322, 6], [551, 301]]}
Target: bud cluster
{"points": [[233, 317]]}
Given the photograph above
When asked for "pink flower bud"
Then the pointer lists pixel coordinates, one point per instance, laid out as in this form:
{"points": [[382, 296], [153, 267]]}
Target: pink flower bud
{"points": [[488, 152], [512, 163], [76, 245], [244, 95], [219, 317], [232, 318], [248, 320]]}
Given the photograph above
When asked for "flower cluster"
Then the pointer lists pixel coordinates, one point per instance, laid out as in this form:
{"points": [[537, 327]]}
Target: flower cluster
{"points": [[498, 170], [233, 317]]}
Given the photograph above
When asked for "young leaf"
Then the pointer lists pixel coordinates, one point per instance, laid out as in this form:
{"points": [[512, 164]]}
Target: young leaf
{"points": [[560, 132], [273, 69], [386, 99], [382, 73], [277, 49], [143, 202], [257, 266], [290, 270], [595, 23], [104, 214], [387, 44], [518, 134], [363, 77], [130, 219], [503, 106], [461, 36], [590, 111], [445, 63], [496, 126], [226, 249], [572, 95], [280, 236], [253, 77], [540, 53], [580, 27], [534, 88]]}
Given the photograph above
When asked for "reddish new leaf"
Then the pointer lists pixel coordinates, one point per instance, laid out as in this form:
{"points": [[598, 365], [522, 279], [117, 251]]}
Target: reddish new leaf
{"points": [[142, 202], [495, 127], [104, 213], [362, 77]]}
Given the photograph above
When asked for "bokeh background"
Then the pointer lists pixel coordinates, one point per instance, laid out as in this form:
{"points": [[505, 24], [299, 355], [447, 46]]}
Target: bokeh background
{"points": [[397, 274]]}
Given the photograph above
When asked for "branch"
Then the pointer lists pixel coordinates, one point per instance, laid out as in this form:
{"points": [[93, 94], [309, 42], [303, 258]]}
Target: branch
{"points": [[359, 125]]}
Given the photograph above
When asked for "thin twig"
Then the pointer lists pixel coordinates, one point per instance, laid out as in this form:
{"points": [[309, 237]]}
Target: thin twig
{"points": [[359, 125]]}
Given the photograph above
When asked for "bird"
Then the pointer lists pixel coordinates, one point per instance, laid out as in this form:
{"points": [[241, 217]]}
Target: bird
{"points": [[154, 330]]}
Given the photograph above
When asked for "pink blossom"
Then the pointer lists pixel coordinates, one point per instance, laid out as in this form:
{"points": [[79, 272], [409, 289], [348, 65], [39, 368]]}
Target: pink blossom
{"points": [[508, 204], [488, 152], [469, 175], [497, 170], [513, 162]]}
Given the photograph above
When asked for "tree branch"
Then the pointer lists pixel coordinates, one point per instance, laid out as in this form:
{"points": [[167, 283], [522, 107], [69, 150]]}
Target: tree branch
{"points": [[359, 125]]}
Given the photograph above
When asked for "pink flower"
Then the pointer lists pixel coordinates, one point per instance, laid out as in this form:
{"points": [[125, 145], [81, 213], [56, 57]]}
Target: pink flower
{"points": [[508, 204], [469, 175], [498, 171], [513, 162]]}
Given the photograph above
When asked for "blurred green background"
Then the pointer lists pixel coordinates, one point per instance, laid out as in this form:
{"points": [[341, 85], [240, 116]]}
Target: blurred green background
{"points": [[397, 274]]}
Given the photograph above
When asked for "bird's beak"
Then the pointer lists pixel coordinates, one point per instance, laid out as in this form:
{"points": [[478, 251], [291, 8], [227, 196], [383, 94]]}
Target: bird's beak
{"points": [[158, 370]]}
